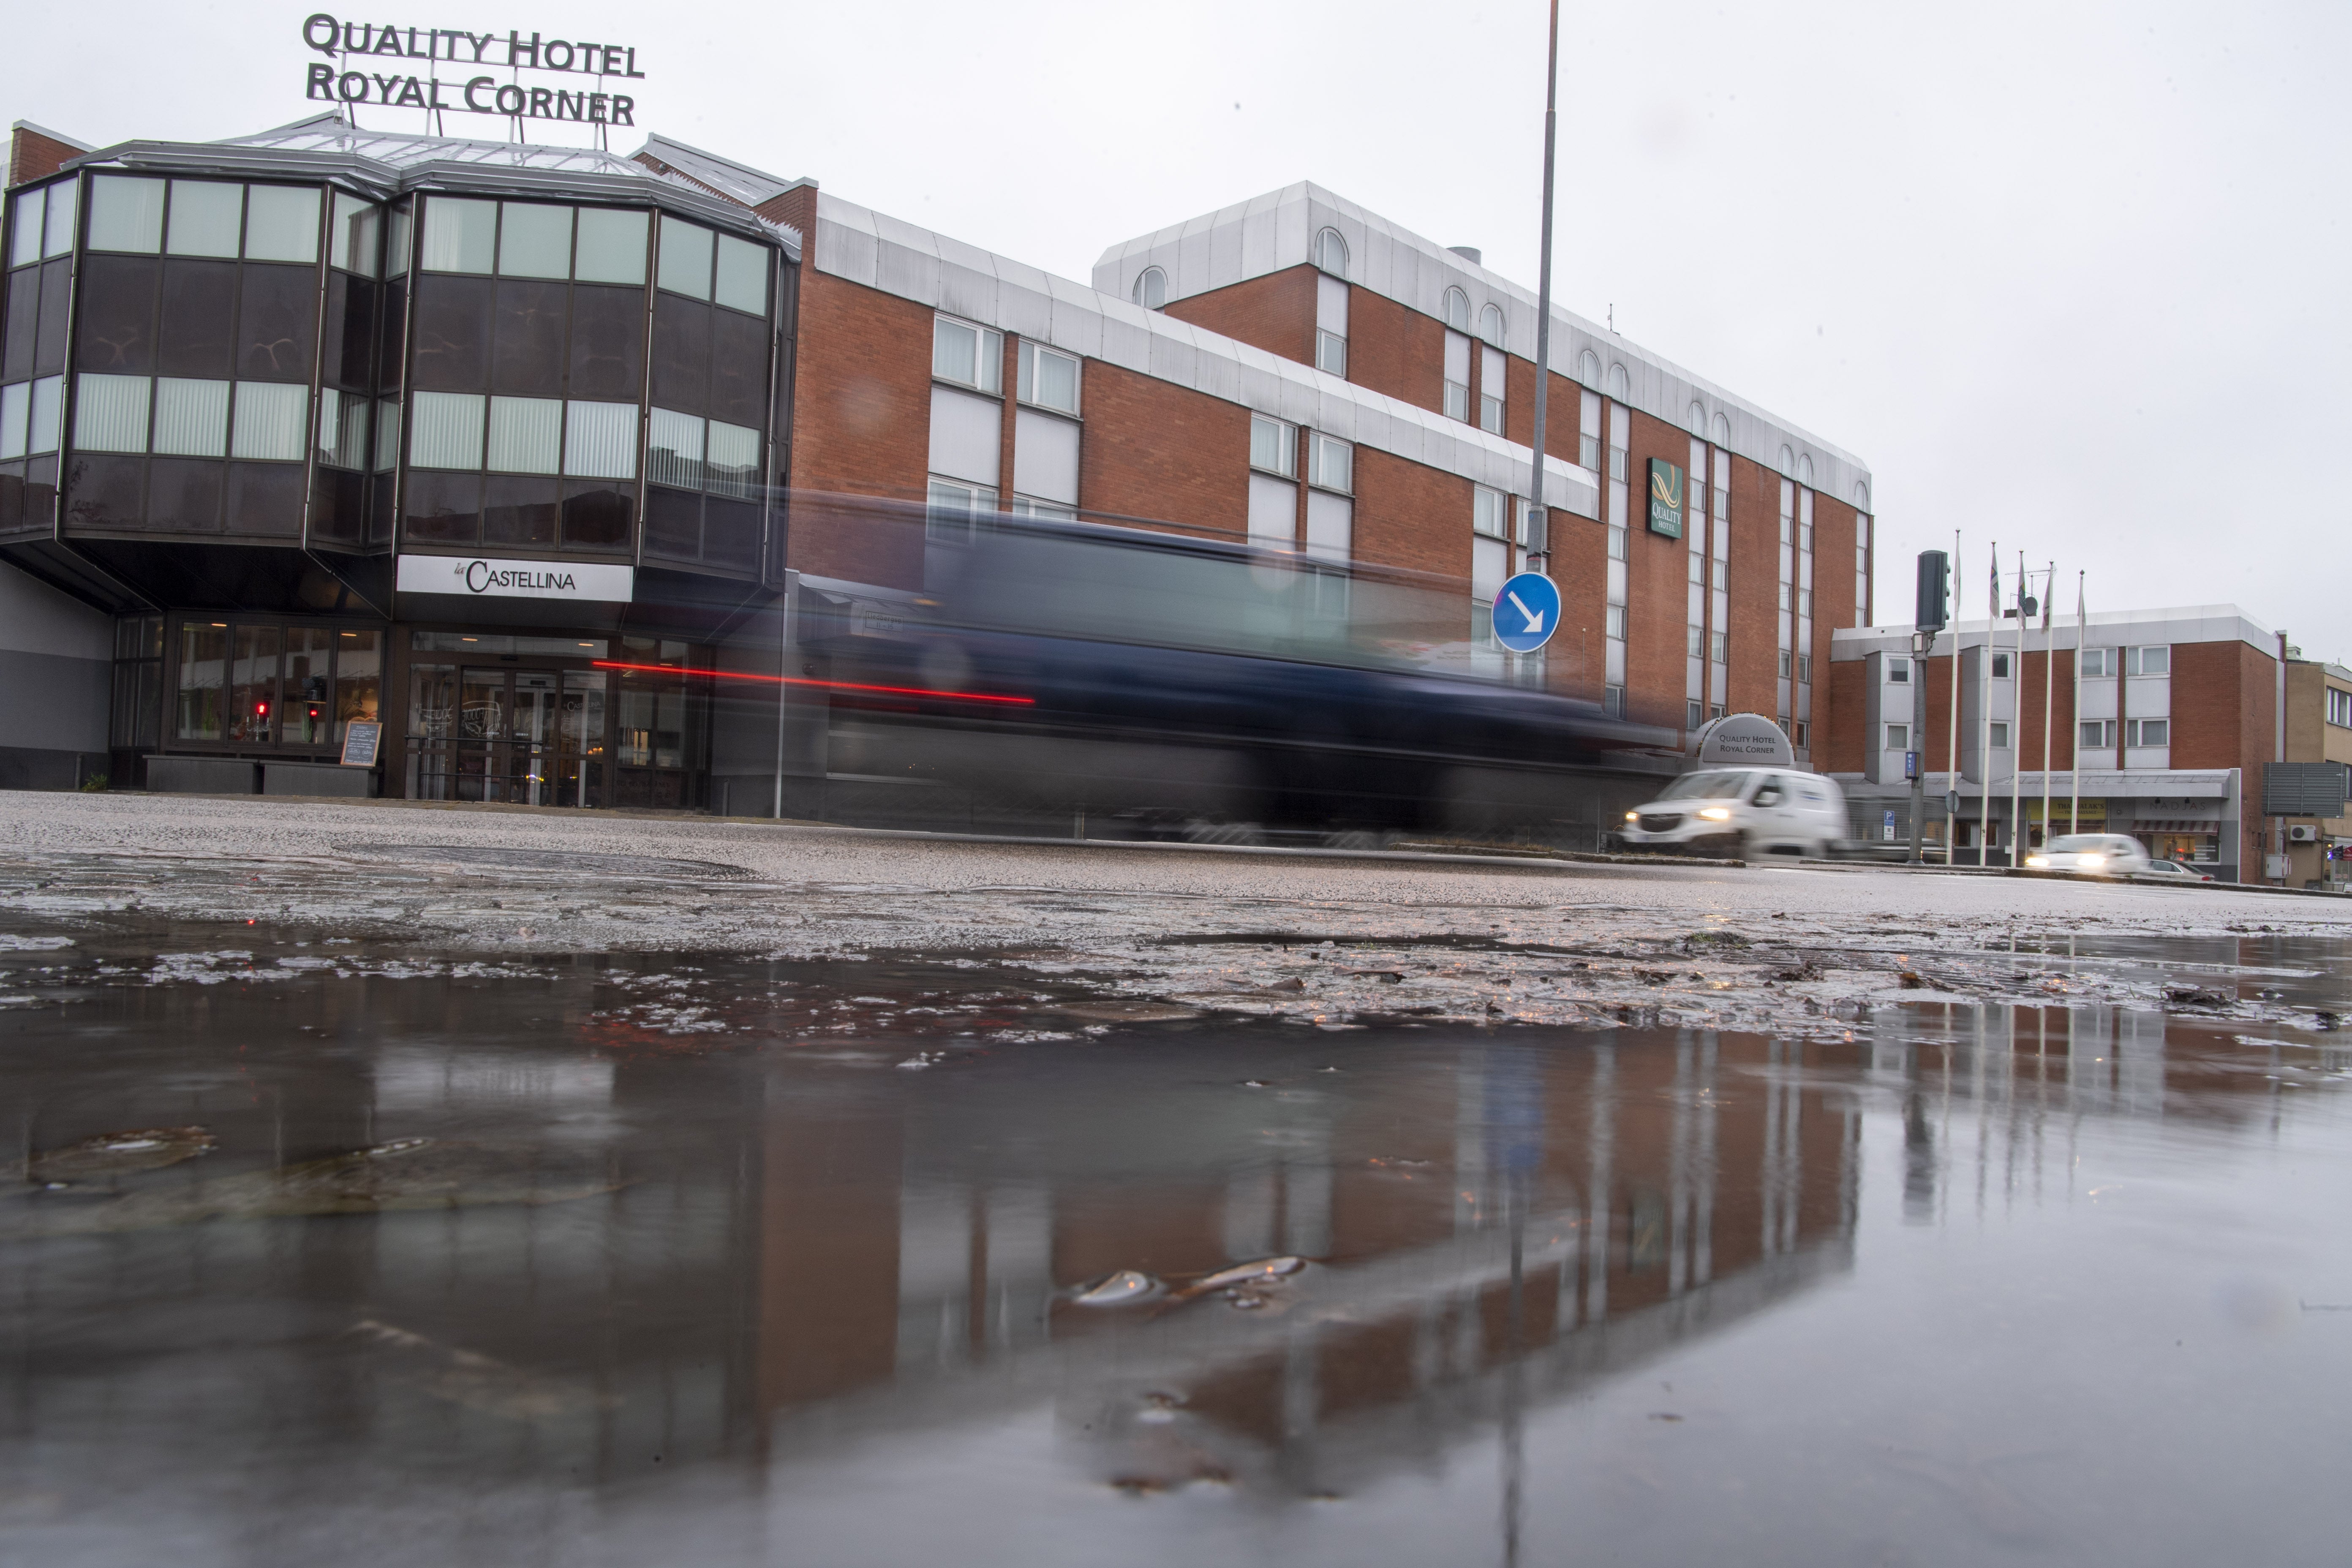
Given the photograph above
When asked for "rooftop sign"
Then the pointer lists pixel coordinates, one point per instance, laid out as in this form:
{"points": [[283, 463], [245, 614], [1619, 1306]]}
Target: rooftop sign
{"points": [[378, 63]]}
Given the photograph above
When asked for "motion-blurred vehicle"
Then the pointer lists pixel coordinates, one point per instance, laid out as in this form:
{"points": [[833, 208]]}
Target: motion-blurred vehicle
{"points": [[1741, 811], [1211, 688], [2172, 871], [2092, 855]]}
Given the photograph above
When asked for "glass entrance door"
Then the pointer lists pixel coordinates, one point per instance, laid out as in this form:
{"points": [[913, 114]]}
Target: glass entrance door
{"points": [[522, 736]]}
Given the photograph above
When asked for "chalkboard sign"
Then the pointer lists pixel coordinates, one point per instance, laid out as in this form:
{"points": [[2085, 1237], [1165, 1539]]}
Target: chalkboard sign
{"points": [[361, 737]]}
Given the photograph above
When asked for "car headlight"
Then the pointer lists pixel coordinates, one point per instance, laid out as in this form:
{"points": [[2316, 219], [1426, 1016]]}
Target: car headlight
{"points": [[1716, 813], [2091, 862], [2037, 860], [1632, 816]]}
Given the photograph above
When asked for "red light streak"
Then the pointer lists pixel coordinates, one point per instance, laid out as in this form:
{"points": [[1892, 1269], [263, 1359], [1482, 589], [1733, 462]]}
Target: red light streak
{"points": [[822, 685]]}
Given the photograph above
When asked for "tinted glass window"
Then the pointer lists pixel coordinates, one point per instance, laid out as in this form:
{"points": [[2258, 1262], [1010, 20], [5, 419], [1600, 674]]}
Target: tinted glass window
{"points": [[738, 368], [23, 319], [612, 246], [190, 417], [681, 346], [269, 421], [450, 339], [199, 312], [526, 435], [358, 235], [184, 495], [50, 336], [443, 507], [204, 217], [104, 492], [520, 510], [597, 515], [118, 314], [277, 323], [608, 336], [528, 353], [351, 332]]}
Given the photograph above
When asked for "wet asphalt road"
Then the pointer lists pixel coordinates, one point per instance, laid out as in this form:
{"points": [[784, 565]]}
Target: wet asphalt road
{"points": [[418, 1186]]}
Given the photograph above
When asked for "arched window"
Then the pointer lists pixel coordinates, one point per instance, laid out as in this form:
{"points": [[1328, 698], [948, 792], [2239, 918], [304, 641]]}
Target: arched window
{"points": [[1861, 495], [1457, 311], [1151, 289], [1490, 325], [1805, 470], [1697, 419], [1588, 369], [1331, 253], [1722, 431], [1621, 386], [1788, 462]]}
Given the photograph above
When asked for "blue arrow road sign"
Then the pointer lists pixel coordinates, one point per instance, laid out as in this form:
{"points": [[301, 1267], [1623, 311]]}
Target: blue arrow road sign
{"points": [[1527, 612]]}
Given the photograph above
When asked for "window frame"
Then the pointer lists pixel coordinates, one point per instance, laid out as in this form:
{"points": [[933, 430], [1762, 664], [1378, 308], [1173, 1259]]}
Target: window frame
{"points": [[1320, 447], [1286, 443], [989, 362], [1025, 378]]}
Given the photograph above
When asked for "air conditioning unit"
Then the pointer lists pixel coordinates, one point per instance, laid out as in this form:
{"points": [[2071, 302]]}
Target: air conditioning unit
{"points": [[2302, 833]]}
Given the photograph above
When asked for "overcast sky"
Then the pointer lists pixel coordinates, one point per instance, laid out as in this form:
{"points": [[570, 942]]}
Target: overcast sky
{"points": [[2070, 278]]}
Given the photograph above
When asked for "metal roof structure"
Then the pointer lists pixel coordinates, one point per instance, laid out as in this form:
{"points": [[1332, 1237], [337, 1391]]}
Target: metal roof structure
{"points": [[737, 182], [383, 165]]}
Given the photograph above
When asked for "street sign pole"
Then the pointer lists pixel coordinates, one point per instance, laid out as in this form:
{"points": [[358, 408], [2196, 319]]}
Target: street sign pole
{"points": [[1538, 539]]}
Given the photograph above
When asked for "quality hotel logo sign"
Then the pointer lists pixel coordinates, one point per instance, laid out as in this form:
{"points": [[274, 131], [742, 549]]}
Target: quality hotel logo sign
{"points": [[370, 62], [477, 578]]}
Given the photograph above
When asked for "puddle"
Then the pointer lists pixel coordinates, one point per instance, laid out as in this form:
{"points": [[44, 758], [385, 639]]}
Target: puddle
{"points": [[562, 1256]]}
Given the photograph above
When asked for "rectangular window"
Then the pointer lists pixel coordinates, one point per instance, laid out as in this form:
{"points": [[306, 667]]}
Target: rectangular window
{"points": [[1719, 647], [610, 247], [126, 214], [1786, 657], [397, 231], [2098, 734], [281, 224], [731, 464], [1490, 416], [674, 449], [358, 235], [1801, 734], [460, 236], [1617, 537], [1898, 737], [1489, 513], [1787, 595], [2000, 666], [526, 435], [1612, 698], [954, 507], [534, 240], [16, 417], [2339, 707], [359, 680], [967, 356], [1457, 377], [2000, 736], [253, 686], [110, 413], [447, 430], [202, 672], [2097, 661], [343, 429], [1694, 715], [1615, 623], [1588, 431], [2157, 660], [205, 216], [1330, 463], [1898, 672], [1272, 447], [1330, 352], [1457, 401], [1049, 378], [743, 278], [1805, 669], [1722, 574], [1694, 642], [271, 421], [1805, 604], [600, 440], [685, 260], [25, 243], [190, 417], [2148, 731], [387, 434]]}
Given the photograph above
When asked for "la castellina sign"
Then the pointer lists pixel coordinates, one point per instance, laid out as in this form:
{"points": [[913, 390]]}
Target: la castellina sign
{"points": [[375, 62]]}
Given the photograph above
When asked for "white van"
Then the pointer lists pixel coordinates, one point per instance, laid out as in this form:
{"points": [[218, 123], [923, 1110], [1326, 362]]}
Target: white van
{"points": [[1741, 811]]}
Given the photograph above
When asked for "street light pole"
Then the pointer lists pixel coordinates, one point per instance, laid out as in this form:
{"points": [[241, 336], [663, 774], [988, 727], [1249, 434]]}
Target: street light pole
{"points": [[1539, 519]]}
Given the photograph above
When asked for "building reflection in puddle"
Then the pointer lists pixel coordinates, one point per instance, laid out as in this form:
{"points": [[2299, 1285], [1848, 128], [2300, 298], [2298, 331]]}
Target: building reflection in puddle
{"points": [[808, 1256]]}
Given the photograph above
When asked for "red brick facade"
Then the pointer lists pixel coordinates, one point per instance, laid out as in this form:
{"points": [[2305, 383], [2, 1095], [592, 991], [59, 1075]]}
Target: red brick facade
{"points": [[1156, 451], [1276, 312], [33, 157]]}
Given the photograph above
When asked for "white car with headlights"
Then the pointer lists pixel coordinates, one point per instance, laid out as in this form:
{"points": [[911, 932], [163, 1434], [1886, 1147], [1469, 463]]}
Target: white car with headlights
{"points": [[2091, 854], [1741, 811]]}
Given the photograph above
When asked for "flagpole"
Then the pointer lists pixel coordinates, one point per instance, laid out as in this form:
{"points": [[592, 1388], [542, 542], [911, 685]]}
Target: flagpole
{"points": [[1952, 740], [2048, 690], [1984, 717], [2075, 795], [2017, 729]]}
